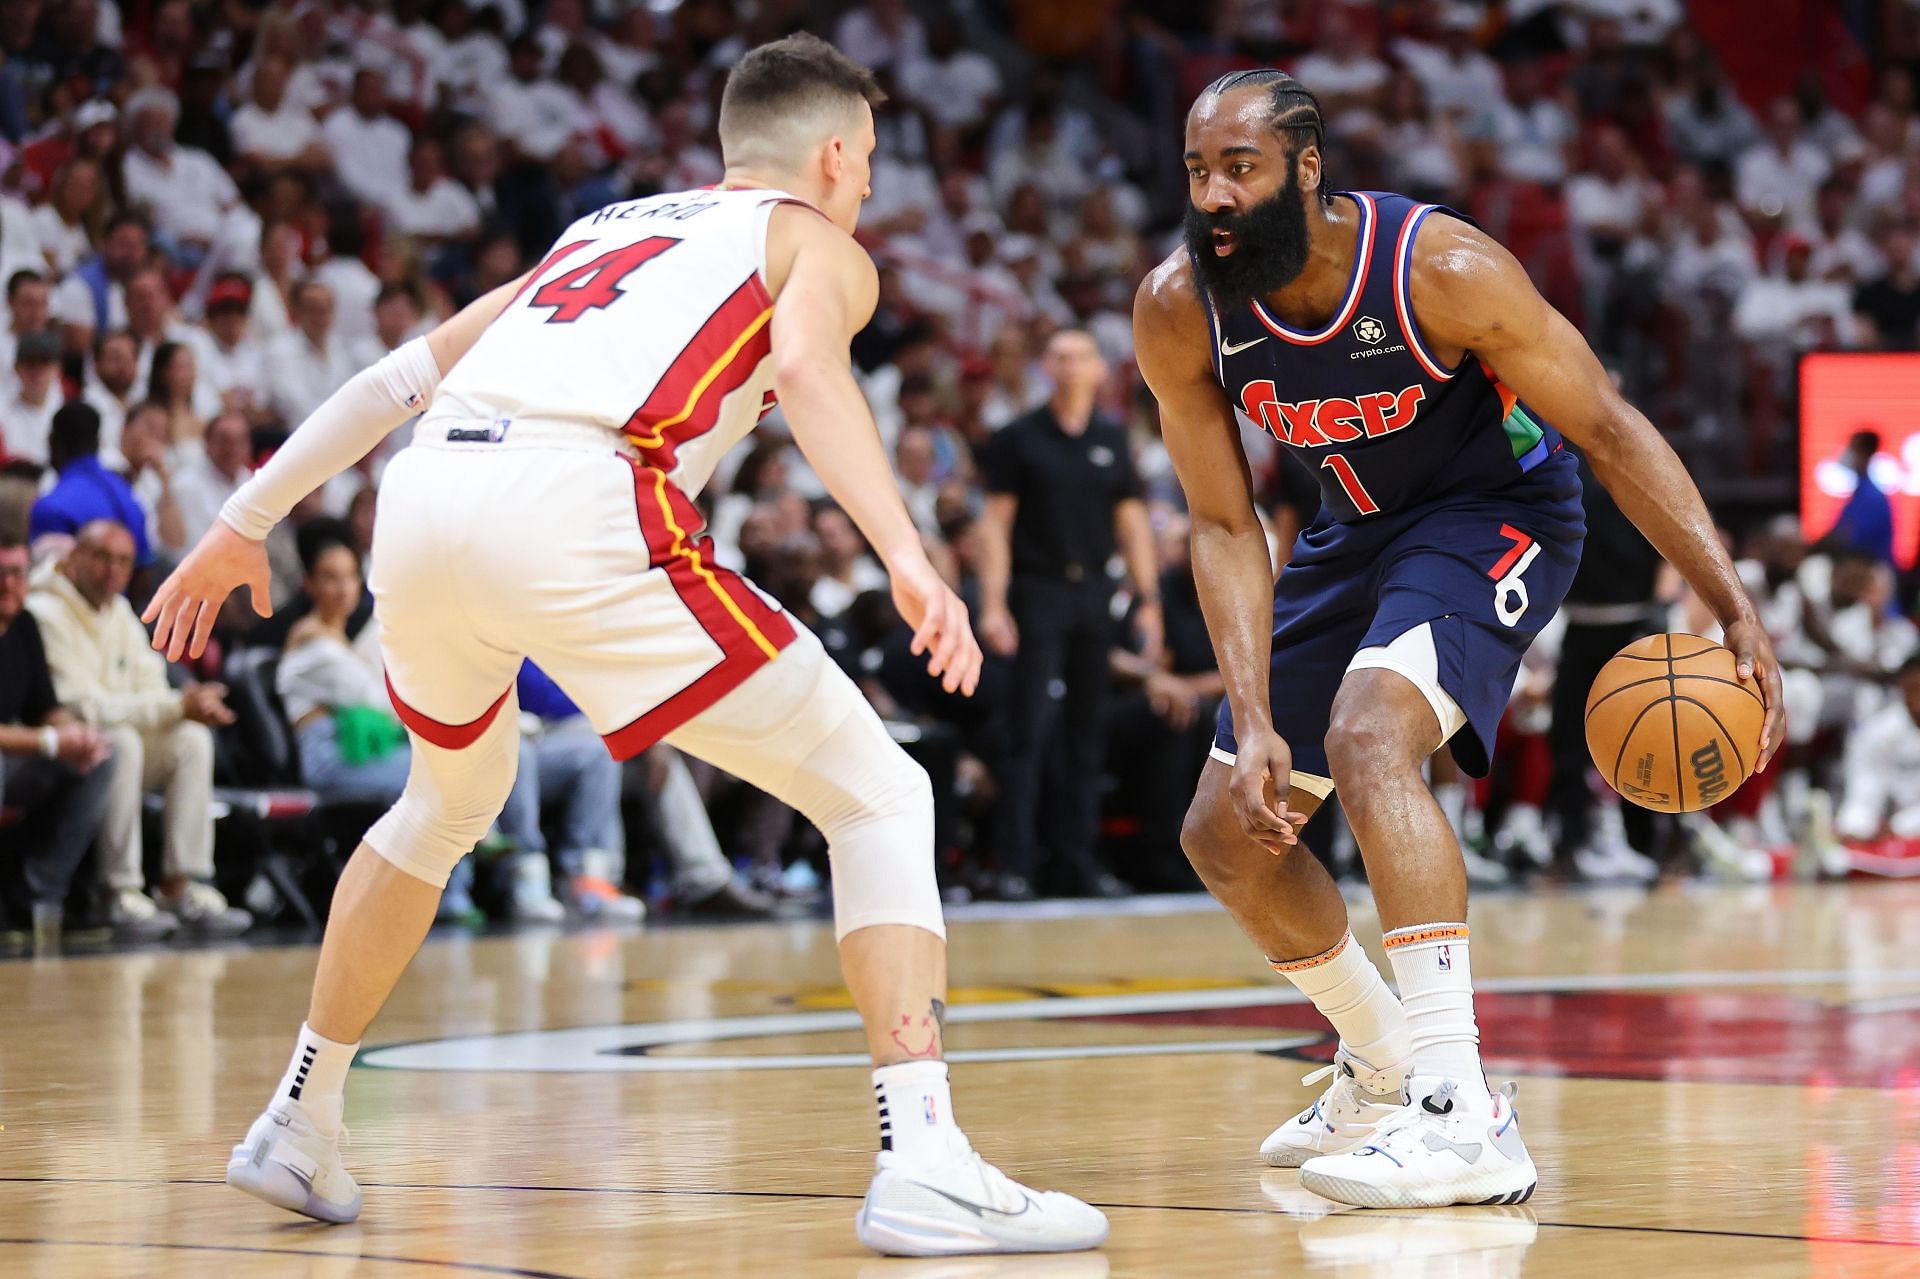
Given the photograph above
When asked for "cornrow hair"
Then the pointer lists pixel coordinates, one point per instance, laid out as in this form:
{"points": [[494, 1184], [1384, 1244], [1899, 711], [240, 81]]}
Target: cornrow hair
{"points": [[1295, 112]]}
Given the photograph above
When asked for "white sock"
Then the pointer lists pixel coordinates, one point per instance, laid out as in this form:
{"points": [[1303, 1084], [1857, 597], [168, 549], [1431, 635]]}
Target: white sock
{"points": [[1436, 988], [916, 1113], [317, 1078], [1345, 986]]}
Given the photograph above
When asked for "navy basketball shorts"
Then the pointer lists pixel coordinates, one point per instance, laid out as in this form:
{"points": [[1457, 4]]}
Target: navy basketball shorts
{"points": [[1450, 594]]}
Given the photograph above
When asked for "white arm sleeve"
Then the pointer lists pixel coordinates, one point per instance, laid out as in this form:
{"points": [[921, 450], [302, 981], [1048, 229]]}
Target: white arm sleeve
{"points": [[344, 429]]}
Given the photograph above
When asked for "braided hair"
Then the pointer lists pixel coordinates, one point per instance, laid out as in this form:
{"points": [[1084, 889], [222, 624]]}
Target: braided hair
{"points": [[1294, 113]]}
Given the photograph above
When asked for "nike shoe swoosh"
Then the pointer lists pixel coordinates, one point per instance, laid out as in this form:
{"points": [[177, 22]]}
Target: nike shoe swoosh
{"points": [[1234, 348], [978, 1210]]}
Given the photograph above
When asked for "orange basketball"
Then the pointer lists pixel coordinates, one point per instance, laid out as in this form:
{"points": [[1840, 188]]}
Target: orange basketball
{"points": [[1669, 725]]}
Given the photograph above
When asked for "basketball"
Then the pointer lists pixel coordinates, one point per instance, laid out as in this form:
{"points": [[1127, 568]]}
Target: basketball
{"points": [[1670, 726]]}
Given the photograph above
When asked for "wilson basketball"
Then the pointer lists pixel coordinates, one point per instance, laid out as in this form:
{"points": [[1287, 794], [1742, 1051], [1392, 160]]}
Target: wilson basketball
{"points": [[1670, 726]]}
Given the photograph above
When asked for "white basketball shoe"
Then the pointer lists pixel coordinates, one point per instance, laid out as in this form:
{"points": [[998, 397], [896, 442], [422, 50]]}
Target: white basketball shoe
{"points": [[967, 1205], [1345, 1116], [1444, 1147], [289, 1163]]}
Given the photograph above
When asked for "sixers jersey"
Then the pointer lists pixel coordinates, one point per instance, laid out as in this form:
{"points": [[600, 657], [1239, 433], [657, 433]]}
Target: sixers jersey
{"points": [[1363, 403], [648, 317]]}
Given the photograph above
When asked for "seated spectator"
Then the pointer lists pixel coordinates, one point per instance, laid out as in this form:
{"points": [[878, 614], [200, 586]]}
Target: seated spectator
{"points": [[87, 490], [106, 673], [1777, 176], [52, 767], [26, 416], [310, 361], [69, 220], [28, 311], [951, 82], [112, 385], [562, 759], [1791, 306], [1889, 307], [272, 131], [846, 570], [1882, 773], [93, 298], [371, 146], [172, 384], [232, 364], [431, 206], [184, 189], [148, 471], [205, 481]]}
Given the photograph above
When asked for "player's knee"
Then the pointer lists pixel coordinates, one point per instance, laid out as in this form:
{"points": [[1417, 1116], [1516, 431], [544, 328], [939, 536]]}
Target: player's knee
{"points": [[1211, 838], [1364, 742], [442, 814], [893, 787]]}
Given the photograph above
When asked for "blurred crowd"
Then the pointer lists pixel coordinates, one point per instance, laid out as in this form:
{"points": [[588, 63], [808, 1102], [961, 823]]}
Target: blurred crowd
{"points": [[213, 212]]}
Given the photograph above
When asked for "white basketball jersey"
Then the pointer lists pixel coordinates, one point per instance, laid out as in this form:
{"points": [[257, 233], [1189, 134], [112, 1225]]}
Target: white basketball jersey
{"points": [[649, 317]]}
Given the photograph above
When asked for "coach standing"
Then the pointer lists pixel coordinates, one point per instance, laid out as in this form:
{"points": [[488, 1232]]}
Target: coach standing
{"points": [[1061, 490]]}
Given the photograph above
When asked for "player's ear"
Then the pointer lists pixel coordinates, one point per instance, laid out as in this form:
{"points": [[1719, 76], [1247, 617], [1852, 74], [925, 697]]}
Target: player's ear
{"points": [[833, 159], [1308, 162]]}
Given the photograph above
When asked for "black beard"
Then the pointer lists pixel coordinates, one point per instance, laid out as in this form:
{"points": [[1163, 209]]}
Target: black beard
{"points": [[1269, 246]]}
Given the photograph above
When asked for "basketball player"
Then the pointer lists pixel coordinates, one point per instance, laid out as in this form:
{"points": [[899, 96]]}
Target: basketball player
{"points": [[1410, 364], [541, 514]]}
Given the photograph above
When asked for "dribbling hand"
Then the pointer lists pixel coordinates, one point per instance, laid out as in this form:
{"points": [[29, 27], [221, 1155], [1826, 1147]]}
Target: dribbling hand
{"points": [[1754, 661], [1261, 791], [939, 621], [188, 602]]}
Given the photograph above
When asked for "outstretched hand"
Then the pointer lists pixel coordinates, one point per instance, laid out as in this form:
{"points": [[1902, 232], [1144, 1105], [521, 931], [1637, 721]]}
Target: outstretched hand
{"points": [[189, 601], [939, 621]]}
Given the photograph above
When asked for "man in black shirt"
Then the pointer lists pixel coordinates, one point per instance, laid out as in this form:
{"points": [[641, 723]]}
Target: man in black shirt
{"points": [[1061, 489], [1892, 302], [50, 765]]}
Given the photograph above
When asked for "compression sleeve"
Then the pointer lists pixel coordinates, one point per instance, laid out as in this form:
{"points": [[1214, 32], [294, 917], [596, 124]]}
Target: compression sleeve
{"points": [[344, 429]]}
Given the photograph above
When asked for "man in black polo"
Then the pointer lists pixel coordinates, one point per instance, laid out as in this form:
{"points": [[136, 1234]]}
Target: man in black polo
{"points": [[1061, 490], [51, 766]]}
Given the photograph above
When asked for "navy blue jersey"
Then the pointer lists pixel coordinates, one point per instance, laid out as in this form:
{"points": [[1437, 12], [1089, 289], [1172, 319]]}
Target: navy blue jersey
{"points": [[1374, 416]]}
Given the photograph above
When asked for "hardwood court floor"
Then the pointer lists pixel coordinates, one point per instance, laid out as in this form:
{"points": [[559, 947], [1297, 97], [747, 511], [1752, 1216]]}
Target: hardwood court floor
{"points": [[1714, 1081]]}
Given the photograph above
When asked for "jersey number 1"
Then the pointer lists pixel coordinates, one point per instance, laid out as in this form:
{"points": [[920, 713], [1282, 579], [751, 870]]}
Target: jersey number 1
{"points": [[1356, 491], [592, 285]]}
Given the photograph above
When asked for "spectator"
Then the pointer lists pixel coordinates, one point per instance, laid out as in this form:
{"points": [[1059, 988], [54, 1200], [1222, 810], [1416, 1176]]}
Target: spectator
{"points": [[1841, 251], [371, 145], [106, 672], [52, 766], [1534, 129], [232, 364], [1791, 306], [881, 34], [154, 321], [93, 296], [431, 206], [1708, 124], [28, 311], [915, 460], [1459, 79], [1777, 176], [531, 113], [69, 224], [1061, 495], [846, 570], [184, 189], [952, 83], [207, 479], [149, 473], [112, 385], [1882, 773], [353, 285], [1865, 523], [1889, 307], [1341, 68], [174, 382], [86, 491], [562, 759], [310, 362], [273, 132], [26, 416]]}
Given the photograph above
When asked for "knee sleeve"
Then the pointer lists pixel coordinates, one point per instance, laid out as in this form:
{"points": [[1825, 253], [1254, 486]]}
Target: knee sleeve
{"points": [[450, 801], [875, 806]]}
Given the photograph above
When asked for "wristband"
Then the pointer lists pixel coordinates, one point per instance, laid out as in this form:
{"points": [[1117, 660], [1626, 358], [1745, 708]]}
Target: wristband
{"points": [[50, 742]]}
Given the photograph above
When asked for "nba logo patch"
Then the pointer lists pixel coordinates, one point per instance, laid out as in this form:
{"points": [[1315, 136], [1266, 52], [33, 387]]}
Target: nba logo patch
{"points": [[933, 1113], [1446, 959]]}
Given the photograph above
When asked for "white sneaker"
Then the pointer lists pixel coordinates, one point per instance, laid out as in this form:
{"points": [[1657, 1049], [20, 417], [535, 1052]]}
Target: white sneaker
{"points": [[1482, 871], [1445, 1147], [1343, 1117], [1723, 855], [1609, 862], [1524, 830], [596, 889], [291, 1165], [532, 899], [968, 1205], [204, 909], [135, 916]]}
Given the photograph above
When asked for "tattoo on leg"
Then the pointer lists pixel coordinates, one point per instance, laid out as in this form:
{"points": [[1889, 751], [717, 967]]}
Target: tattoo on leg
{"points": [[921, 1038]]}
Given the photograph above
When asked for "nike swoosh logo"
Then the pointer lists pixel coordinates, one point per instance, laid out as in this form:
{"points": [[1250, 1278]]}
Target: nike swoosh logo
{"points": [[978, 1210], [1234, 348], [1470, 1151]]}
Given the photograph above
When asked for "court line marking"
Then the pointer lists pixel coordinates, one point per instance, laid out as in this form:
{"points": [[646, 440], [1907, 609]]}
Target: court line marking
{"points": [[625, 1047], [474, 1266], [696, 1192]]}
